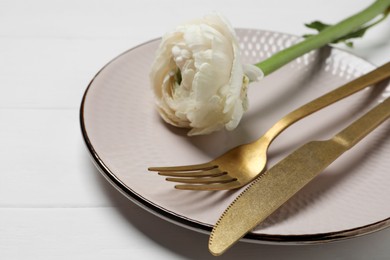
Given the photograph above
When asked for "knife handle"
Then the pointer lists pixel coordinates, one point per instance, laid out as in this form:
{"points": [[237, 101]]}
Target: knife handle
{"points": [[364, 125]]}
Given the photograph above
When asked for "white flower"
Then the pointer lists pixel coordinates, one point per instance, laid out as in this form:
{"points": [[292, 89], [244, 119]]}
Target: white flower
{"points": [[198, 79]]}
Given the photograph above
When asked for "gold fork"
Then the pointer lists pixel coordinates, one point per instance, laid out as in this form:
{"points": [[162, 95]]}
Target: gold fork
{"points": [[242, 164]]}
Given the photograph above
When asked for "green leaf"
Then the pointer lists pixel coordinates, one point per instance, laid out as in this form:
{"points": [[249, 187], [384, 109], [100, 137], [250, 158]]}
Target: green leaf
{"points": [[349, 44], [359, 33], [317, 25], [353, 35]]}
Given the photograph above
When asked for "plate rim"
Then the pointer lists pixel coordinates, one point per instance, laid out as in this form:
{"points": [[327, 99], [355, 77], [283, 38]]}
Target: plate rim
{"points": [[315, 238]]}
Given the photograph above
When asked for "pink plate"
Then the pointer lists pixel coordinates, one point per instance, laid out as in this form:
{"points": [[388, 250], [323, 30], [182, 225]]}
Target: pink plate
{"points": [[125, 136]]}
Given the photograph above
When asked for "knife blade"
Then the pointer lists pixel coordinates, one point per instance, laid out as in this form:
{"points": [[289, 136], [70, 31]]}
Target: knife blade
{"points": [[272, 189]]}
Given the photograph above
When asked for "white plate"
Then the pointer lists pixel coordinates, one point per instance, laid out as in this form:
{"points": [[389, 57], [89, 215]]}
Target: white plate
{"points": [[125, 136]]}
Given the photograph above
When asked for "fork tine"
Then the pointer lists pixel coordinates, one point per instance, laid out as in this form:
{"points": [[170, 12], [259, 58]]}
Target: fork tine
{"points": [[206, 173], [219, 186], [220, 179], [195, 167]]}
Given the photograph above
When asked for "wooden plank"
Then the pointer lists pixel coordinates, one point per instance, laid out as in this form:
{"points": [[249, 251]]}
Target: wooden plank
{"points": [[83, 233], [45, 161], [129, 232], [55, 72]]}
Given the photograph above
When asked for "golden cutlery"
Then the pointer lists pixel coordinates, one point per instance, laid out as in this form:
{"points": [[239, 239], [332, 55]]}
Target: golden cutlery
{"points": [[268, 192], [244, 163]]}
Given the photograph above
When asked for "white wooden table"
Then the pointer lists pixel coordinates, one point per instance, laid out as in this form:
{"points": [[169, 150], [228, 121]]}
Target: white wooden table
{"points": [[54, 204]]}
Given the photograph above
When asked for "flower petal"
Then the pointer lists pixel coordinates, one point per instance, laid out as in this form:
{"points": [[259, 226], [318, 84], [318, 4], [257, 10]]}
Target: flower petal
{"points": [[253, 72]]}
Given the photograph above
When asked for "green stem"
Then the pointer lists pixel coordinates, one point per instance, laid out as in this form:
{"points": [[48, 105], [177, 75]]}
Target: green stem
{"points": [[323, 38]]}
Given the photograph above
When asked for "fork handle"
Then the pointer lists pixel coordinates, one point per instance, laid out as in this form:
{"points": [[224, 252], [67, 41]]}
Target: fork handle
{"points": [[373, 77]]}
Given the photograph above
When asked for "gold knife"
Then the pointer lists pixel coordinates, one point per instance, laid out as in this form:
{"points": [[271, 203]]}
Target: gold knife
{"points": [[267, 193]]}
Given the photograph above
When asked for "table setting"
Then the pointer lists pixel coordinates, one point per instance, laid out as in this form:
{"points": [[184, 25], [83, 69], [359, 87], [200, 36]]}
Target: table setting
{"points": [[122, 140]]}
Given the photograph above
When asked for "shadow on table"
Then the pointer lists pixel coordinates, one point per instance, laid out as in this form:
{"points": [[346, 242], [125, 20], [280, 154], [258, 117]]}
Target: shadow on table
{"points": [[188, 244]]}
